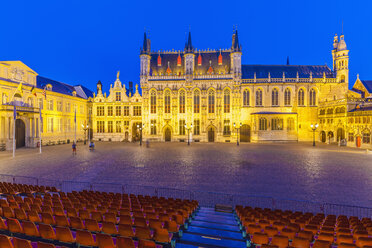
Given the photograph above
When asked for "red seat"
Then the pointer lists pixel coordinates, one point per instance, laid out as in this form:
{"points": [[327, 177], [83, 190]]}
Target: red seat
{"points": [[14, 226], [124, 242], [46, 231], [85, 238], [104, 240], [21, 243], [64, 234], [5, 242], [30, 229]]}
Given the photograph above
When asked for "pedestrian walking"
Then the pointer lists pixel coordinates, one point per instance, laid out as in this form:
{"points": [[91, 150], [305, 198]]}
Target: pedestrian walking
{"points": [[74, 148]]}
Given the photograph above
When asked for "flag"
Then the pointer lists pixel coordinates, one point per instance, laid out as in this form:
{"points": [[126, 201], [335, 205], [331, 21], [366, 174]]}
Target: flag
{"points": [[15, 113], [44, 93], [33, 91], [20, 88], [41, 121]]}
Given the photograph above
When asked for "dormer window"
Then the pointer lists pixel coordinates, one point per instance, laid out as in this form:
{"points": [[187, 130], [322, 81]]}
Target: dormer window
{"points": [[74, 93], [49, 87], [118, 96]]}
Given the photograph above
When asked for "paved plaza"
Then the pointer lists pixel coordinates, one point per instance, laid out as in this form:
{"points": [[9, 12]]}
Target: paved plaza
{"points": [[298, 171]]}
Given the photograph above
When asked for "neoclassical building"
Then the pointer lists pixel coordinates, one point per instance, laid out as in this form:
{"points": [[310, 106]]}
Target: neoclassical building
{"points": [[200, 95], [22, 87]]}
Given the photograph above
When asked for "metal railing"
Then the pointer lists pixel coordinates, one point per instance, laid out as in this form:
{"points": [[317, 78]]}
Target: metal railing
{"points": [[205, 198]]}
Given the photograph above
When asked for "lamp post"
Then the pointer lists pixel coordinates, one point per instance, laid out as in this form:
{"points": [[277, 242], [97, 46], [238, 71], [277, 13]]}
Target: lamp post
{"points": [[140, 128], [85, 128], [237, 133], [314, 127], [188, 134]]}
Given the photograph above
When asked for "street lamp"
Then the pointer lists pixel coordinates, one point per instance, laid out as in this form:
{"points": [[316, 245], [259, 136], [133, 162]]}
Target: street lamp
{"points": [[140, 128], [188, 134], [314, 127], [237, 133], [85, 128]]}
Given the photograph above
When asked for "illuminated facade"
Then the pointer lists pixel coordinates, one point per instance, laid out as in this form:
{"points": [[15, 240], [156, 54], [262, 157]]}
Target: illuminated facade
{"points": [[117, 115], [207, 95], [22, 87], [217, 98]]}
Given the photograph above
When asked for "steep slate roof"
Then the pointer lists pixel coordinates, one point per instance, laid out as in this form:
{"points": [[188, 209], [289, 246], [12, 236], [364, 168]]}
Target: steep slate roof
{"points": [[367, 84], [276, 71], [63, 88], [206, 57]]}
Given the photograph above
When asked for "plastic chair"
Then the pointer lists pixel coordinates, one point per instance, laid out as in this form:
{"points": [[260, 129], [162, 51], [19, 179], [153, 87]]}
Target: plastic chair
{"points": [[143, 233], [124, 242], [77, 223], [61, 220], [92, 225], [30, 229], [21, 243], [14, 226], [109, 228], [85, 238], [5, 242], [104, 241], [46, 231], [259, 238], [280, 241], [299, 242]]}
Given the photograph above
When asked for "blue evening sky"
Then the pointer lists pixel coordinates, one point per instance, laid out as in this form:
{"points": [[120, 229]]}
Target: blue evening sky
{"points": [[81, 42]]}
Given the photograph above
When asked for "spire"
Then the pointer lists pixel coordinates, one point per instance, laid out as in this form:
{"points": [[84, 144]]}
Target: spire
{"points": [[236, 46], [287, 60], [220, 58], [145, 49], [188, 47]]}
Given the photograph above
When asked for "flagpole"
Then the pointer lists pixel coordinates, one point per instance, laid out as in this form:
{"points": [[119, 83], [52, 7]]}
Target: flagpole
{"points": [[75, 125], [14, 128], [40, 123]]}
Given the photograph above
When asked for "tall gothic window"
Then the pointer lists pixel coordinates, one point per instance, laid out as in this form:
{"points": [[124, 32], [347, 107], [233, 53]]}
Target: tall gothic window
{"points": [[182, 101], [211, 102], [312, 97], [301, 97], [167, 102], [262, 124], [275, 97], [226, 101], [259, 97], [287, 97], [153, 102], [196, 101], [246, 98]]}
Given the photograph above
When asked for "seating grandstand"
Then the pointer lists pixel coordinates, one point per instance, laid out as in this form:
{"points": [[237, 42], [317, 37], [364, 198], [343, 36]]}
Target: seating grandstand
{"points": [[46, 217]]}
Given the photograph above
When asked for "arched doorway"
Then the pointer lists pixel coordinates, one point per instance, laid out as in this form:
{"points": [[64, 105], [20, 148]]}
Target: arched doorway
{"points": [[340, 134], [330, 136], [20, 133], [167, 135], [323, 137], [245, 133], [211, 134], [135, 132]]}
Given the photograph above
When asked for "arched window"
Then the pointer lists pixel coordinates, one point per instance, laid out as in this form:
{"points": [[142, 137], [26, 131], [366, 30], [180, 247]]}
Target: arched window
{"points": [[275, 97], [262, 124], [211, 102], [312, 97], [342, 79], [196, 101], [182, 102], [167, 102], [226, 101], [259, 97], [153, 102], [246, 98], [301, 97], [287, 97]]}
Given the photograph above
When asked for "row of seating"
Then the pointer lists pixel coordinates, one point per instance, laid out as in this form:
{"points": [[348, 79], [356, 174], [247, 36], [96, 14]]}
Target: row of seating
{"points": [[16, 188], [281, 228], [100, 240]]}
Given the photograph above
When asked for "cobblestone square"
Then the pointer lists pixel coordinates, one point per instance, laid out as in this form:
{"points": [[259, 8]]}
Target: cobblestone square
{"points": [[297, 171]]}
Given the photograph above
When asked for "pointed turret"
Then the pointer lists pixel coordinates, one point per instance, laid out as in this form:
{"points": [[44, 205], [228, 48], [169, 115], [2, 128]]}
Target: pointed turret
{"points": [[188, 47], [235, 42], [146, 47]]}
